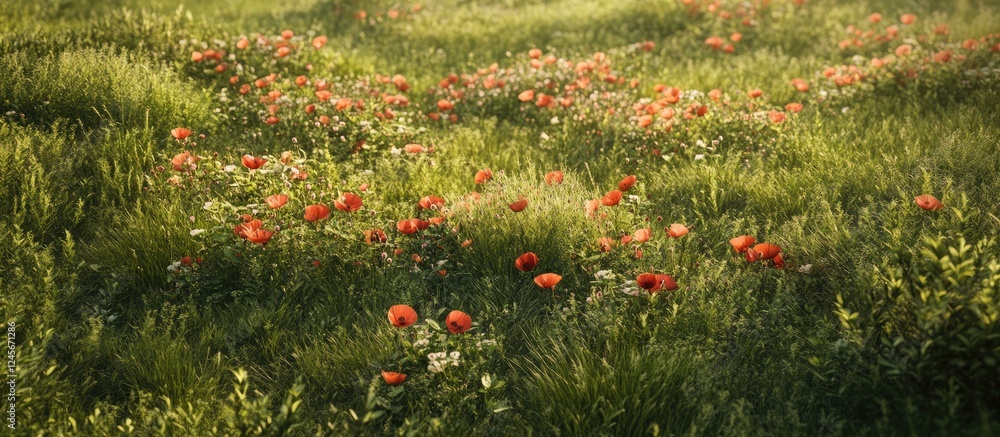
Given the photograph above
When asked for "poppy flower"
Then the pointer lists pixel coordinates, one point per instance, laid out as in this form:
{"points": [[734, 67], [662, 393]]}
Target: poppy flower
{"points": [[276, 201], [375, 236], [319, 42], [779, 261], [751, 255], [612, 198], [605, 244], [252, 162], [627, 183], [526, 262], [928, 202], [742, 243], [526, 96], [259, 236], [793, 107], [591, 207], [324, 95], [776, 116], [402, 316], [348, 202], [755, 93], [413, 148], [445, 105], [180, 133], [408, 226], [677, 230], [715, 94], [431, 202], [908, 19], [767, 250], [875, 18], [399, 81], [647, 281], [317, 212], [458, 322], [393, 378], [666, 282], [183, 161], [519, 205], [535, 53], [554, 178], [642, 235], [484, 175], [547, 280]]}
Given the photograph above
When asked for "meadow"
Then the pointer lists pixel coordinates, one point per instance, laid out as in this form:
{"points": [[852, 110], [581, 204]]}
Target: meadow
{"points": [[354, 217]]}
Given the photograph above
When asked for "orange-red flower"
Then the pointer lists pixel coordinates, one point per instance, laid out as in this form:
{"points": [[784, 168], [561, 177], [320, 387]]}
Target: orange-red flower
{"points": [[677, 230], [767, 250], [259, 236], [317, 212], [183, 161], [393, 378], [647, 281], [180, 133], [627, 183], [742, 243], [655, 282], [642, 235], [276, 201], [408, 226], [554, 177], [458, 322], [779, 261], [519, 205], [526, 96], [547, 280], [402, 316], [431, 202], [612, 198], [375, 236], [928, 202], [253, 162], [605, 244], [348, 202], [413, 148], [526, 262], [484, 175]]}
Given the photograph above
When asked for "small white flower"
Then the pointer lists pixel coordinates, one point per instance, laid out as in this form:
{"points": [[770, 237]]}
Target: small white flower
{"points": [[603, 274], [208, 205], [544, 136], [454, 355], [396, 152], [699, 157], [229, 168], [555, 120], [196, 232], [633, 198], [806, 268]]}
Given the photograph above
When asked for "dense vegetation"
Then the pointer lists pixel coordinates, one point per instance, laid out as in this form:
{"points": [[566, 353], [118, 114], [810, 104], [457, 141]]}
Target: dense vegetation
{"points": [[207, 211]]}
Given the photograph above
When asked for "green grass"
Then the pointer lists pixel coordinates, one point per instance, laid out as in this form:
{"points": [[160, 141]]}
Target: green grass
{"points": [[885, 319]]}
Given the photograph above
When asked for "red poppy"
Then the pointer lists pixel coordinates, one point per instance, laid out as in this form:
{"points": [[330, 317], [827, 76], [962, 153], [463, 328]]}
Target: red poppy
{"points": [[928, 202], [642, 235], [519, 205], [413, 148], [276, 201], [605, 244], [317, 212], [402, 316], [393, 378], [627, 183], [666, 282], [484, 175], [348, 202], [767, 250], [458, 322], [252, 162], [408, 226], [259, 236], [647, 281], [591, 207], [612, 198], [793, 107], [677, 230], [547, 280], [431, 202], [742, 243], [526, 262], [751, 255], [779, 261], [526, 96], [908, 19], [445, 105], [324, 95], [183, 161], [319, 42], [375, 236], [180, 133], [554, 177], [755, 93]]}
